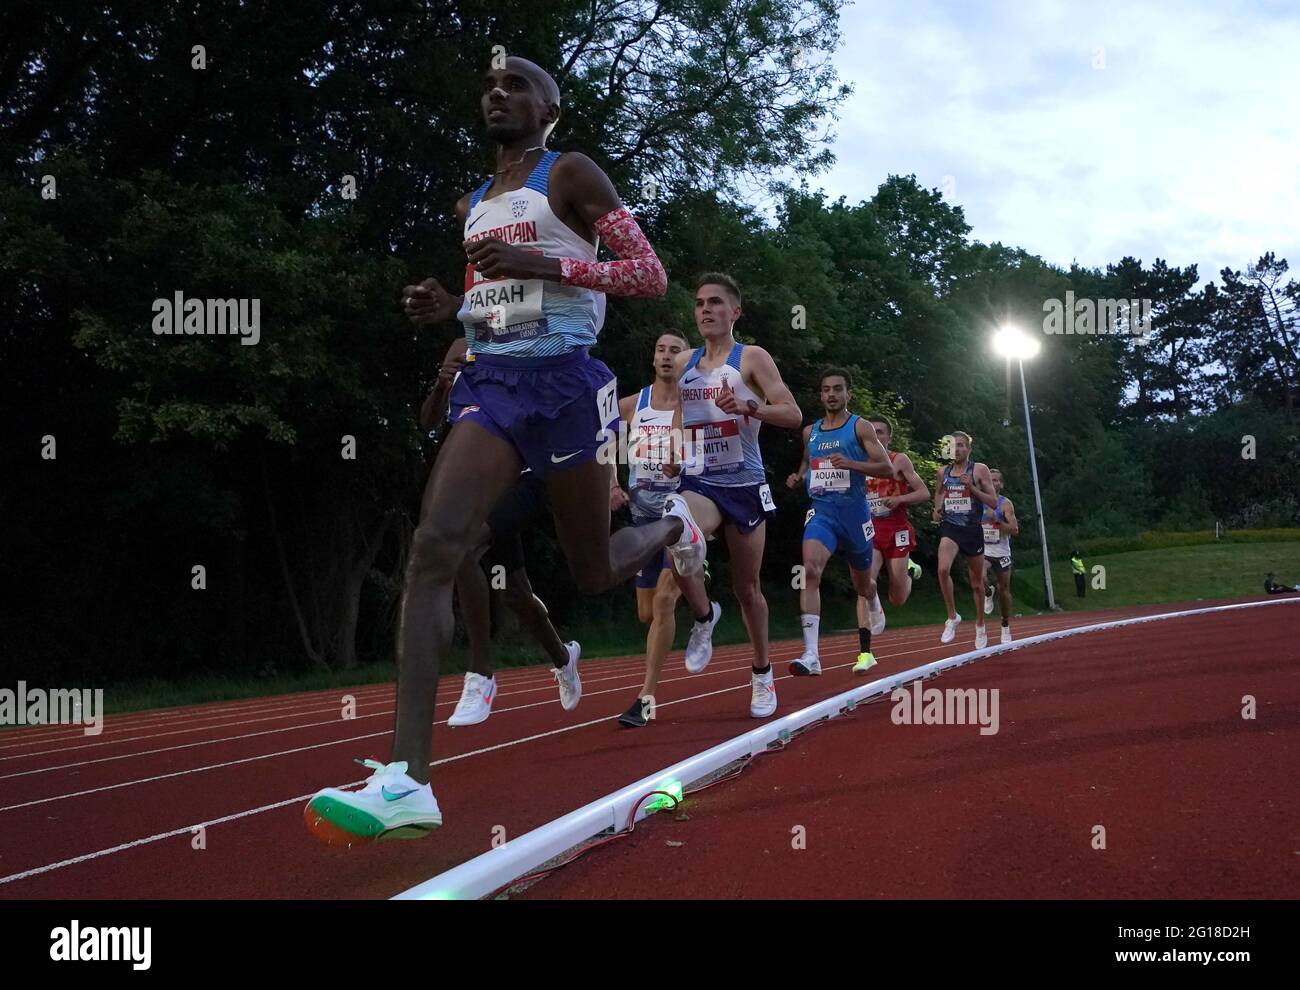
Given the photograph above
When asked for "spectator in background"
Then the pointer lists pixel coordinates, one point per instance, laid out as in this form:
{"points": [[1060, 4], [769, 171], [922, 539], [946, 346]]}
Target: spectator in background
{"points": [[1080, 573]]}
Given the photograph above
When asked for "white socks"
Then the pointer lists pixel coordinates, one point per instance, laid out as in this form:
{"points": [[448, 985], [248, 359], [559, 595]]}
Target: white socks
{"points": [[810, 625]]}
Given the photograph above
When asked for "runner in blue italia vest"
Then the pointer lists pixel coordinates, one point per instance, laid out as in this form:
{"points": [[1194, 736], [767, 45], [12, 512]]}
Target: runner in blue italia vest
{"points": [[1000, 524], [962, 489], [727, 392], [839, 451], [529, 396]]}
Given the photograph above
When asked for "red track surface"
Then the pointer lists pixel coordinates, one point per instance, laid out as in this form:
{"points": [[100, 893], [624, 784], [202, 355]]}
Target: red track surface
{"points": [[1137, 729]]}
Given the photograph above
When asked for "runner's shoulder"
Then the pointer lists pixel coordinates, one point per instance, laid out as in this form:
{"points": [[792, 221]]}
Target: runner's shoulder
{"points": [[574, 169]]}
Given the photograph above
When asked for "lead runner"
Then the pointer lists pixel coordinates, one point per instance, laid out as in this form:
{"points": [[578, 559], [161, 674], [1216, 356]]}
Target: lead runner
{"points": [[529, 395]]}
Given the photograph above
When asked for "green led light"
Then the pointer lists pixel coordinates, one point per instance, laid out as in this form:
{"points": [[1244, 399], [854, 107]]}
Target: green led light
{"points": [[674, 788]]}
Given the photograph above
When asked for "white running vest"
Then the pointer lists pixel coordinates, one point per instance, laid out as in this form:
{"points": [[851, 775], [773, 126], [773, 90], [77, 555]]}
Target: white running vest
{"points": [[649, 446], [529, 317], [722, 448]]}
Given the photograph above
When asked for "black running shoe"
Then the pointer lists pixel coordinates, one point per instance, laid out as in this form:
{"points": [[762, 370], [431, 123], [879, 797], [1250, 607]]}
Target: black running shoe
{"points": [[634, 717]]}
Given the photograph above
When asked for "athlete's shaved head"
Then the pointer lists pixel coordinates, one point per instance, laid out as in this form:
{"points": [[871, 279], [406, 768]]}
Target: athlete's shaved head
{"points": [[519, 99]]}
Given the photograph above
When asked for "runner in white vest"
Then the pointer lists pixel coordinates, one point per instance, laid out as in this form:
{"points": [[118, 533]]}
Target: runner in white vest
{"points": [[999, 526], [648, 415], [531, 396], [728, 391]]}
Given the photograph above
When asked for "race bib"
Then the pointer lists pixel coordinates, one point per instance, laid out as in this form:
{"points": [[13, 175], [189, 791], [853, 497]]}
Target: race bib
{"points": [[992, 535], [765, 498], [878, 506], [607, 402], [903, 538], [957, 506], [826, 479], [503, 309], [650, 450], [717, 445], [809, 517], [868, 531]]}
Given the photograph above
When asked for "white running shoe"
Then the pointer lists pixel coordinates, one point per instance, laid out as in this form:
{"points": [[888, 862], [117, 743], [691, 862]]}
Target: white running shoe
{"points": [[762, 702], [988, 601], [981, 636], [808, 665], [876, 616], [699, 648], [688, 552], [950, 629], [476, 699], [1006, 634], [568, 679], [390, 805]]}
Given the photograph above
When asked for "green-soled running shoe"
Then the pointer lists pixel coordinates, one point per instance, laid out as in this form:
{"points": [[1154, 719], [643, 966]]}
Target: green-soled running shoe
{"points": [[913, 568], [865, 662]]}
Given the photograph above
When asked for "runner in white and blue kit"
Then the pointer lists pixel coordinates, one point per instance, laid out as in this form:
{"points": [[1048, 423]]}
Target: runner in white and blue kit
{"points": [[839, 451], [530, 396], [961, 491], [1000, 524], [648, 415], [728, 391]]}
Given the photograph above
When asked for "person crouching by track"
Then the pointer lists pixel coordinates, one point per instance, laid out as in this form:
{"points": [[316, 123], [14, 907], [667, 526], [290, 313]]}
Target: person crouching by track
{"points": [[839, 451], [649, 417], [999, 525], [727, 392], [960, 488], [895, 537]]}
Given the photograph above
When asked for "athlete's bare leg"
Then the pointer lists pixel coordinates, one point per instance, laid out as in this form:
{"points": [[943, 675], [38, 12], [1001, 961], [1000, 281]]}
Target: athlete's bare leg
{"points": [[708, 519], [475, 609], [816, 555], [1004, 593], [580, 505], [657, 606], [900, 581], [472, 459], [746, 559], [976, 566], [947, 554], [534, 616]]}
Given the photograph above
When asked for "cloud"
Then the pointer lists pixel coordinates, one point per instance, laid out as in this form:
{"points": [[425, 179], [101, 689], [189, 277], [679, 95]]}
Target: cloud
{"points": [[1084, 131]]}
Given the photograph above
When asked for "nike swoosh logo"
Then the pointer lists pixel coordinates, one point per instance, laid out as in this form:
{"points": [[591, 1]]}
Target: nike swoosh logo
{"points": [[561, 460], [470, 225], [752, 522], [390, 796]]}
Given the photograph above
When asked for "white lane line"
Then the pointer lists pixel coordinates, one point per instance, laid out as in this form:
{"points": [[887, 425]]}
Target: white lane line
{"points": [[387, 690], [713, 670], [304, 797]]}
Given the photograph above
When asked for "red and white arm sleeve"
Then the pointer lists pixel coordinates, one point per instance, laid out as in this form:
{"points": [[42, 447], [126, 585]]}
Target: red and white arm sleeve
{"points": [[637, 272]]}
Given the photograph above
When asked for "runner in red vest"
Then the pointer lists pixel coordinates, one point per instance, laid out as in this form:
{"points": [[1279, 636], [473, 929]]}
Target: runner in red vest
{"points": [[895, 538]]}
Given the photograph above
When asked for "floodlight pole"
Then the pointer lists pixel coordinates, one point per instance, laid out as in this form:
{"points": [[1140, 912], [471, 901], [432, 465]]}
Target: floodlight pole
{"points": [[1038, 498]]}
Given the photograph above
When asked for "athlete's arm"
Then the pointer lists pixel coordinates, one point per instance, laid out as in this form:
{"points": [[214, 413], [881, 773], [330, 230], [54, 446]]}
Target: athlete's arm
{"points": [[618, 496], [877, 464], [982, 488], [1012, 525], [919, 493], [796, 479], [938, 496], [677, 445], [757, 366], [435, 405], [429, 302], [590, 206]]}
